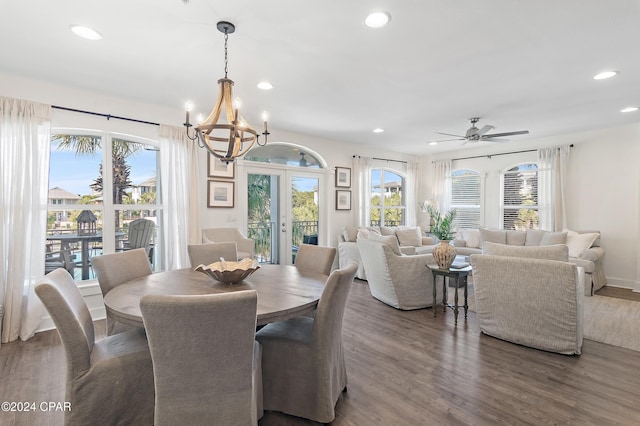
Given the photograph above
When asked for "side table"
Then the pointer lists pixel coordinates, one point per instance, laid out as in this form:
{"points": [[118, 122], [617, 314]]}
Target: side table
{"points": [[459, 275]]}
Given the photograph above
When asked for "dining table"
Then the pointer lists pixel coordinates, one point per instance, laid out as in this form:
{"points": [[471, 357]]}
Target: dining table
{"points": [[283, 291]]}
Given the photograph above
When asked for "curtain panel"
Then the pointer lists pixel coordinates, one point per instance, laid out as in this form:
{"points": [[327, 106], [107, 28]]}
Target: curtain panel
{"points": [[552, 173], [180, 189], [441, 190], [362, 172], [25, 129], [412, 193]]}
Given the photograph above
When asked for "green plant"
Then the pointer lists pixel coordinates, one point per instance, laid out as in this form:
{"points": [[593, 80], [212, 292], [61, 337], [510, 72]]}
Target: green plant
{"points": [[442, 223]]}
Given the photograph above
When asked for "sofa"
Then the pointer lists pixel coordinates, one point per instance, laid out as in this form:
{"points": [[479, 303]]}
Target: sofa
{"points": [[584, 248], [410, 241], [401, 281], [530, 295]]}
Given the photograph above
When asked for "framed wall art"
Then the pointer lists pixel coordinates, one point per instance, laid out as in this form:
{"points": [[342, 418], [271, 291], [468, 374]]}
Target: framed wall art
{"points": [[343, 199], [220, 193], [343, 177], [220, 169]]}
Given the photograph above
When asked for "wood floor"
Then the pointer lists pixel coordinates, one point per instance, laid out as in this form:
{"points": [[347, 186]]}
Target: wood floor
{"points": [[408, 368]]}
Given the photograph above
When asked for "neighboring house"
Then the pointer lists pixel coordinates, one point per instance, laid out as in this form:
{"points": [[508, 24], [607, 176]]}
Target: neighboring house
{"points": [[58, 196]]}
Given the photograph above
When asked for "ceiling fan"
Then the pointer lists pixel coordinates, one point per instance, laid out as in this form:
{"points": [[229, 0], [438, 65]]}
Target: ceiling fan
{"points": [[474, 134]]}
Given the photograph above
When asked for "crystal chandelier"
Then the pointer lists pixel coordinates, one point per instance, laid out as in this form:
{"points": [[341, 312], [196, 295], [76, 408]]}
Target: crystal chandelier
{"points": [[230, 140]]}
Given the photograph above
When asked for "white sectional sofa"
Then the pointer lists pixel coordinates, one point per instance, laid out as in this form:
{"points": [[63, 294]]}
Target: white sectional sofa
{"points": [[584, 248], [410, 241]]}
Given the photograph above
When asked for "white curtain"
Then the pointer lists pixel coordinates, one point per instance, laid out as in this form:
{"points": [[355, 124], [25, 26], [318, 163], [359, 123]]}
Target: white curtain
{"points": [[552, 172], [24, 172], [362, 172], [180, 186], [412, 193], [441, 190]]}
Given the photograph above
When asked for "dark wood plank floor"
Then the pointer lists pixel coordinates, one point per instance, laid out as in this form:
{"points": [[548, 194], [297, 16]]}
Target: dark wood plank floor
{"points": [[408, 368]]}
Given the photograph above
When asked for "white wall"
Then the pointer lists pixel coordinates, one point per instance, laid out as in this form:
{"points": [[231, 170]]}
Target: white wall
{"points": [[604, 181], [603, 190]]}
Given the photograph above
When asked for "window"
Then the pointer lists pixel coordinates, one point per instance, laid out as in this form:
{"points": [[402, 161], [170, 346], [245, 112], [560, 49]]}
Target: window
{"points": [[286, 155], [465, 198], [387, 203], [89, 211], [520, 197]]}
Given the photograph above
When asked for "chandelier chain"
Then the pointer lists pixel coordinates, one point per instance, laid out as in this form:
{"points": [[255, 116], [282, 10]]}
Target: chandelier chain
{"points": [[226, 38]]}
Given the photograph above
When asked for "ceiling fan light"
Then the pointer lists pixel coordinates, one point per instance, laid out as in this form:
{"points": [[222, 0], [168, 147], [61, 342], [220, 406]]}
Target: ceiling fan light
{"points": [[604, 75], [377, 19], [629, 109]]}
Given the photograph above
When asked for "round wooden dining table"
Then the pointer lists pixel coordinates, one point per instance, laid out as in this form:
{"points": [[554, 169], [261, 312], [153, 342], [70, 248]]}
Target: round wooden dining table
{"points": [[283, 291]]}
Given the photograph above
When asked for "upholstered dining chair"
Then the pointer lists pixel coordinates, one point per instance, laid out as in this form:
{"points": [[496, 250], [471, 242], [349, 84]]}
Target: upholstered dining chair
{"points": [[206, 361], [303, 369], [205, 254], [246, 246], [116, 268], [314, 258], [109, 381]]}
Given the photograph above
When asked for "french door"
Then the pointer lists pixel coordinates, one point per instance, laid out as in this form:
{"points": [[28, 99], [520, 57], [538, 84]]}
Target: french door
{"points": [[284, 209]]}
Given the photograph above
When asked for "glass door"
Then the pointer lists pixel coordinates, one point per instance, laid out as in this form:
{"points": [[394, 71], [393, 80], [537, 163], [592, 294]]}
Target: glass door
{"points": [[283, 211]]}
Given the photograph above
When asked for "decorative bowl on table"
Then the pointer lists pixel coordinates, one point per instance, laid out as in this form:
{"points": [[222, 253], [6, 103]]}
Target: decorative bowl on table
{"points": [[230, 272]]}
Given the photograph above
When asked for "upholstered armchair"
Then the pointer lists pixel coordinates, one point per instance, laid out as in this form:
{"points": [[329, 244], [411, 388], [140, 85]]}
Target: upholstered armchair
{"points": [[398, 280], [246, 246], [532, 296]]}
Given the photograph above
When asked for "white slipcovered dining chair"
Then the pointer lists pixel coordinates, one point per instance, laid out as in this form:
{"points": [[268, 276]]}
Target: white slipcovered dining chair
{"points": [[206, 362], [303, 366], [246, 247], [109, 381], [116, 268], [205, 254], [314, 258]]}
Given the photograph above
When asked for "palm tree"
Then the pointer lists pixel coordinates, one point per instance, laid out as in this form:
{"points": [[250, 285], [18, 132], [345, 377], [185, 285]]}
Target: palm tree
{"points": [[121, 149]]}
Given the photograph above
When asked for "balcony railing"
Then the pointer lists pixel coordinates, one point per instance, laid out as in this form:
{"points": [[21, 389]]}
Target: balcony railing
{"points": [[265, 236]]}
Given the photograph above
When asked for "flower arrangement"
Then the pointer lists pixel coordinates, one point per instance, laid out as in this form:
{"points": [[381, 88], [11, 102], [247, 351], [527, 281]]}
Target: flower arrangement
{"points": [[442, 223]]}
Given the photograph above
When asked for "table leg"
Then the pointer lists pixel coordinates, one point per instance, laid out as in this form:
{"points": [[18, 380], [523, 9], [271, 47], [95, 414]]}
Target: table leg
{"points": [[455, 303], [85, 259], [466, 293], [445, 299], [435, 297]]}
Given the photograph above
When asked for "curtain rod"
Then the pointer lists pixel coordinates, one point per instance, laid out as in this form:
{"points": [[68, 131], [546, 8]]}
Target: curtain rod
{"points": [[107, 116], [501, 153], [383, 159]]}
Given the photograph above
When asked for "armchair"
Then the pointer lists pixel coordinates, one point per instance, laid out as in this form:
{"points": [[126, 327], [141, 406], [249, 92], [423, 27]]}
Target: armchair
{"points": [[535, 302], [246, 246], [401, 281]]}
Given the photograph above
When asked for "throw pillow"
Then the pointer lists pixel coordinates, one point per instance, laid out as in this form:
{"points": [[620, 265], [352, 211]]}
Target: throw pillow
{"points": [[409, 237], [471, 237], [492, 236], [553, 238], [363, 234], [516, 238], [389, 240], [386, 230], [578, 243], [534, 236], [350, 233], [557, 252]]}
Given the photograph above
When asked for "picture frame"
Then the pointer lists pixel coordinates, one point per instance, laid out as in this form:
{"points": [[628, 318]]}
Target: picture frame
{"points": [[220, 193], [343, 177], [220, 169], [343, 199]]}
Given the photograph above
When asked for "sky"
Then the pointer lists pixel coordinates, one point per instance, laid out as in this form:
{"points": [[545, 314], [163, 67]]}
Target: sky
{"points": [[74, 174]]}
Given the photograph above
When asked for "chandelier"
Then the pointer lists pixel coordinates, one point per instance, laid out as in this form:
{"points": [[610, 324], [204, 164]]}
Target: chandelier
{"points": [[230, 140]]}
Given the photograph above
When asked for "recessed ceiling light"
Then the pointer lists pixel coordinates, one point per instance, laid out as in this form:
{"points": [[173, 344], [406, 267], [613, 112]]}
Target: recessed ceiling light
{"points": [[433, 143], [85, 32], [604, 75], [629, 109], [378, 130], [377, 19], [265, 85]]}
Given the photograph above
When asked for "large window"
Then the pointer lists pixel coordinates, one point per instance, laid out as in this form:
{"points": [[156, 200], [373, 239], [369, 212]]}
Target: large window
{"points": [[89, 211], [465, 198], [387, 204], [520, 197]]}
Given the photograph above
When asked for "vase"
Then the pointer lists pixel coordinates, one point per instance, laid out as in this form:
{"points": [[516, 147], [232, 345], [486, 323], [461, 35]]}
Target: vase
{"points": [[444, 254]]}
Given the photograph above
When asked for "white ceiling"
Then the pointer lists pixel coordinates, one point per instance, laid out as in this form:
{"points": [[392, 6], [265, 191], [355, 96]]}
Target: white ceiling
{"points": [[516, 64]]}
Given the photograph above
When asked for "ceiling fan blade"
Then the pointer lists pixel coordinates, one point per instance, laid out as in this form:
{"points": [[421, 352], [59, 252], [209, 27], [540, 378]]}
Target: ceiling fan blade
{"points": [[484, 130], [494, 135], [493, 140], [449, 134], [448, 140]]}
